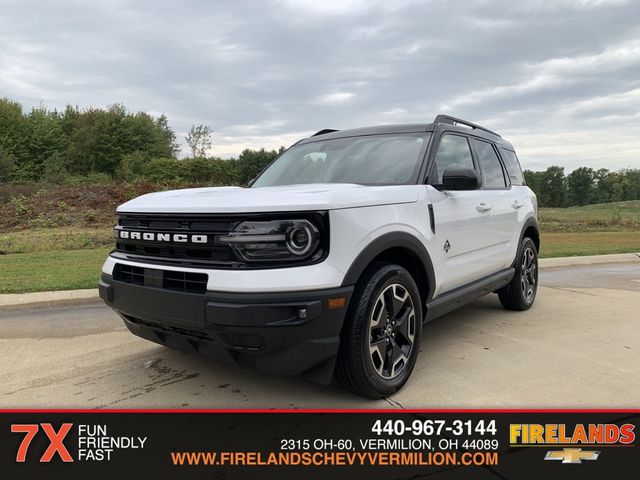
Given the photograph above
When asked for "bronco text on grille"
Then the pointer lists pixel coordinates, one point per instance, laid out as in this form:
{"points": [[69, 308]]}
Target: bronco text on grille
{"points": [[161, 237]]}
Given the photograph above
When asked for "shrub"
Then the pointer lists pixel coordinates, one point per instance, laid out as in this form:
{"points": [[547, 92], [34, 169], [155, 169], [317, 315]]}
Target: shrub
{"points": [[198, 171], [90, 179]]}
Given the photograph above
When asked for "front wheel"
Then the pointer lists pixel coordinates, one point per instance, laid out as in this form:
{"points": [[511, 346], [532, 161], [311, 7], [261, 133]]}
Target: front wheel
{"points": [[381, 336], [521, 292]]}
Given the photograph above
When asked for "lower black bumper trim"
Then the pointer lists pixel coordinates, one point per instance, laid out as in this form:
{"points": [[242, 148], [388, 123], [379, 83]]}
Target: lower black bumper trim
{"points": [[285, 333]]}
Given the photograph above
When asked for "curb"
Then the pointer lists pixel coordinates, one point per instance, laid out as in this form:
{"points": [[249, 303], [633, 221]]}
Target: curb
{"points": [[48, 299], [88, 296], [588, 260]]}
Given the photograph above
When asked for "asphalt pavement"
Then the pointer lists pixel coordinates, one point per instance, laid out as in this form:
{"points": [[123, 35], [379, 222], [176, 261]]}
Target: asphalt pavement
{"points": [[579, 346]]}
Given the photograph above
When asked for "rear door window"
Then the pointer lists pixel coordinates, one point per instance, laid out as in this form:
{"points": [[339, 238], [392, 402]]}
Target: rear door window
{"points": [[492, 171], [513, 166]]}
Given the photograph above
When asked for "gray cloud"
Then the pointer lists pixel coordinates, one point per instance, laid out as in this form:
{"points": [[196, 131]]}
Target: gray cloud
{"points": [[560, 79]]}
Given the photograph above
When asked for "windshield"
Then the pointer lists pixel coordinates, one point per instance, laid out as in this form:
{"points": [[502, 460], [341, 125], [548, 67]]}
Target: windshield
{"points": [[371, 160]]}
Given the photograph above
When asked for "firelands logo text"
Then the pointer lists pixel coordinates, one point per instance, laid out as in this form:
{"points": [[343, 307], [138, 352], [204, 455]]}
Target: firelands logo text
{"points": [[581, 435], [553, 433], [92, 442]]}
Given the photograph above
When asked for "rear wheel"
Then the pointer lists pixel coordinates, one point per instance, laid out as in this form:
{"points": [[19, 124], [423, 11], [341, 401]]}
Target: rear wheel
{"points": [[521, 292], [381, 336]]}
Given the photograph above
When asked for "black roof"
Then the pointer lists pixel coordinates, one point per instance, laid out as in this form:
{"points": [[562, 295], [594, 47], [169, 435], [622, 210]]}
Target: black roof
{"points": [[452, 123]]}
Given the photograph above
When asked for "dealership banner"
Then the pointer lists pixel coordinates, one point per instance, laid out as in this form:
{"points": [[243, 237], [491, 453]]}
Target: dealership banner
{"points": [[265, 444]]}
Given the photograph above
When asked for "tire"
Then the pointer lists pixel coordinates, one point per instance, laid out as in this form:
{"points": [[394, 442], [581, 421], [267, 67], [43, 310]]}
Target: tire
{"points": [[521, 292], [381, 335]]}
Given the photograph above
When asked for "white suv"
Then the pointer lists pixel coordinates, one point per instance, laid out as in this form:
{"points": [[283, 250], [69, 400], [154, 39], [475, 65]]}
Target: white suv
{"points": [[335, 255]]}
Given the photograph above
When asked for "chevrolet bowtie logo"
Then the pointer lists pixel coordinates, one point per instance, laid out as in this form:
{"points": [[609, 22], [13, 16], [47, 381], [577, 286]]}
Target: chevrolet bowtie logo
{"points": [[572, 455]]}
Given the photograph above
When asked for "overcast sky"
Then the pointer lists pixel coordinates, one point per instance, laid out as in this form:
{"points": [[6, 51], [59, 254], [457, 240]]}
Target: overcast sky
{"points": [[560, 79]]}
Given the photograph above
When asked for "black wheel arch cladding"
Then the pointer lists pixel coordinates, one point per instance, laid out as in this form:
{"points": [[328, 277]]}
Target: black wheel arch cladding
{"points": [[393, 241]]}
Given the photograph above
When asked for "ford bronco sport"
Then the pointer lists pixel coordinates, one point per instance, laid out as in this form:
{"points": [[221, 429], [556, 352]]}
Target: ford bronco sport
{"points": [[334, 256]]}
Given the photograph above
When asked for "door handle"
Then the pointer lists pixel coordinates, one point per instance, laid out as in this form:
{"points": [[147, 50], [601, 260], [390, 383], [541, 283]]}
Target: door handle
{"points": [[517, 204], [484, 207]]}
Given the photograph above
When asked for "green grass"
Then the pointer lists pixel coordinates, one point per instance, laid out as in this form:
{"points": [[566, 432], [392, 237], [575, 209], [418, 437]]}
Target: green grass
{"points": [[52, 270], [599, 217], [62, 238], [591, 230], [570, 244]]}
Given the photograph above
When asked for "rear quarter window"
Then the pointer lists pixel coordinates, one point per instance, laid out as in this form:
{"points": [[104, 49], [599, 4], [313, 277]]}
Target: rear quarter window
{"points": [[513, 166]]}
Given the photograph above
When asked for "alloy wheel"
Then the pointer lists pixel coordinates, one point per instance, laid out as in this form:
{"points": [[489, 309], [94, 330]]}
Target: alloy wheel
{"points": [[392, 329], [528, 274]]}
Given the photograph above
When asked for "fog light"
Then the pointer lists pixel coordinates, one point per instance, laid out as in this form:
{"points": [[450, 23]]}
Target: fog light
{"points": [[302, 313]]}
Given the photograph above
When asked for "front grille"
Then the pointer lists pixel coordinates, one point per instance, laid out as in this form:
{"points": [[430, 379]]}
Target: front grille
{"points": [[222, 254], [210, 253], [166, 279]]}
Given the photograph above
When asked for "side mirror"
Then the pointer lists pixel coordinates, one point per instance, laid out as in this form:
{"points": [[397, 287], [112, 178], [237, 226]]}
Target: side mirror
{"points": [[460, 178], [251, 182]]}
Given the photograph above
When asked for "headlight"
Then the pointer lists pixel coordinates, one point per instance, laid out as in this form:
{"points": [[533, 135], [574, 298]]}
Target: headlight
{"points": [[275, 240]]}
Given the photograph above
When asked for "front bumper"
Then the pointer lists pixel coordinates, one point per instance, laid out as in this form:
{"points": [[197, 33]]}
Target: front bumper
{"points": [[280, 333]]}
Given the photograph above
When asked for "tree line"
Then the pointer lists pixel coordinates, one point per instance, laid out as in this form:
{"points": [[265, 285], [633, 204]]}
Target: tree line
{"points": [[52, 146], [583, 186], [45, 144]]}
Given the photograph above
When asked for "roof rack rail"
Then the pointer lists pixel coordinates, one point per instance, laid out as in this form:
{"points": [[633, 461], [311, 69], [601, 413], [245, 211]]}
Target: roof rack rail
{"points": [[323, 131], [449, 120]]}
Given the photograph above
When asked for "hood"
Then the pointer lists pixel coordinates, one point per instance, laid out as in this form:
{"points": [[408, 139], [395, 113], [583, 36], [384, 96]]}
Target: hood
{"points": [[270, 199]]}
